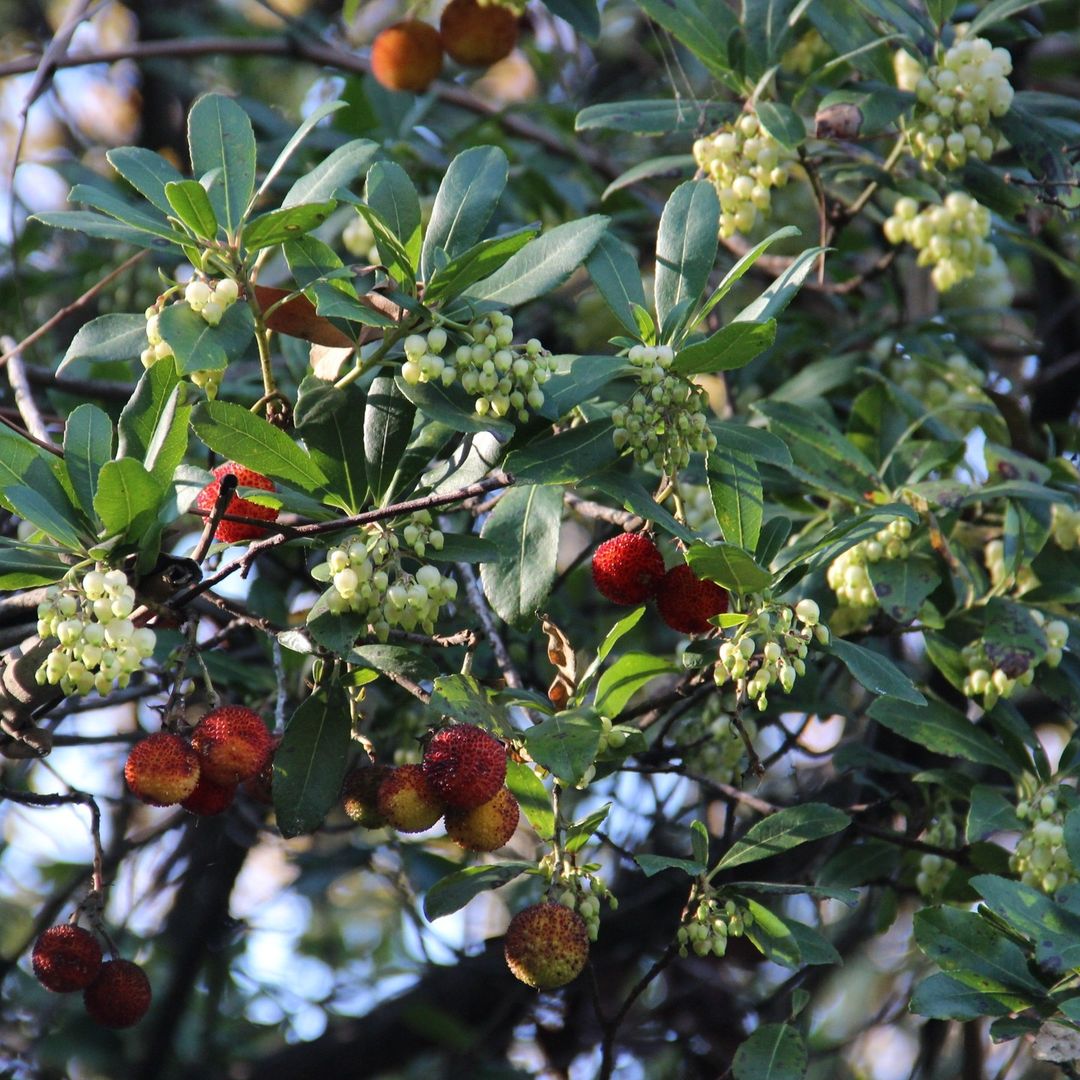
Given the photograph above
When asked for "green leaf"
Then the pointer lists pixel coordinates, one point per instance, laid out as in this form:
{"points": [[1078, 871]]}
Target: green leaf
{"points": [[395, 660], [990, 812], [454, 891], [772, 937], [942, 730], [941, 997], [22, 568], [127, 495], [565, 744], [705, 31], [685, 251], [654, 864], [995, 12], [464, 203], [728, 566], [325, 419], [311, 121], [88, 444], [390, 193], [731, 347], [579, 833], [333, 302], [669, 165], [222, 145], [135, 215], [277, 226], [103, 228], [901, 585], [619, 630], [525, 527], [583, 379], [620, 682], [310, 763], [532, 797], [632, 496], [784, 830], [334, 172], [782, 123], [1015, 642], [565, 457], [761, 445], [463, 698], [191, 205], [392, 255], [617, 277], [453, 407], [737, 498], [664, 117], [197, 345], [478, 262], [146, 172], [154, 423], [782, 291], [542, 264], [55, 516], [875, 671], [773, 1052], [582, 15], [388, 423], [108, 337], [241, 436], [878, 108]]}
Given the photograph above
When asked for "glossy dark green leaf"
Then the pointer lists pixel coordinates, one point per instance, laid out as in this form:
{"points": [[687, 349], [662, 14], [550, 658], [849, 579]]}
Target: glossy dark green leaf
{"points": [[565, 744], [108, 337], [784, 830], [772, 1052], [771, 936], [704, 28], [391, 194], [532, 797], [388, 423], [941, 729], [277, 226], [729, 566], [582, 15], [326, 418], [686, 245], [623, 679], [478, 262], [146, 172], [942, 997], [653, 117], [782, 123], [735, 488], [655, 864], [222, 147], [338, 170], [154, 423], [731, 347], [191, 205], [126, 495], [617, 277], [453, 892], [88, 444], [782, 291], [453, 407], [55, 516], [565, 457], [876, 672], [197, 345]]}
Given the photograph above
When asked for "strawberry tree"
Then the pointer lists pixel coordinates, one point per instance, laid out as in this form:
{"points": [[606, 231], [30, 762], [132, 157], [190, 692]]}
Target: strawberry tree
{"points": [[643, 528]]}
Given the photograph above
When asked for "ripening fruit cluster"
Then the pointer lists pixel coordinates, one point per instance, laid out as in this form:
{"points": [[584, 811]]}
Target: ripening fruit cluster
{"points": [[711, 925], [783, 636], [954, 389], [65, 959], [99, 647], [500, 376], [666, 420], [1041, 857], [367, 578], [582, 891], [848, 577], [956, 102], [711, 743], [1065, 527], [1024, 579], [744, 163], [992, 683], [935, 870], [950, 237]]}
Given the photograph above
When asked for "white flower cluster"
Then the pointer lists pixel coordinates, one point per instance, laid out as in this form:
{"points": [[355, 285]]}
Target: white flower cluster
{"points": [[847, 575], [994, 557], [666, 420], [950, 237], [711, 742], [582, 891], [935, 870], [211, 299], [992, 683], [989, 288], [712, 924], [956, 102], [744, 163], [1041, 857], [1065, 527], [367, 578], [952, 389], [499, 375], [99, 646], [780, 648]]}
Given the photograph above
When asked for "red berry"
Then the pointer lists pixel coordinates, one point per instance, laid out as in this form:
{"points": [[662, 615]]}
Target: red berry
{"points": [[209, 798], [465, 765], [260, 786], [486, 827], [119, 996], [407, 56], [475, 35], [66, 958], [360, 795], [547, 945], [232, 532], [407, 802], [627, 568], [687, 602], [233, 744], [162, 769]]}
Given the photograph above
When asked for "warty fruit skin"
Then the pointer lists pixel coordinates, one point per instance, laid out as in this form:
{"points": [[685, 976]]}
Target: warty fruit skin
{"points": [[360, 795], [233, 532], [120, 996], [233, 744], [209, 798], [547, 945], [627, 569], [162, 769], [66, 958], [407, 802], [465, 764], [475, 35], [407, 56], [687, 602], [486, 827]]}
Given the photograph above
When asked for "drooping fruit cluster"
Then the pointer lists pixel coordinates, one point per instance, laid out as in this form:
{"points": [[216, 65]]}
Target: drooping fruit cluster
{"points": [[500, 376], [849, 578], [65, 959], [235, 532], [710, 742], [993, 683], [360, 794], [935, 870], [687, 603], [547, 945], [233, 744], [162, 769], [627, 569], [956, 101], [770, 649], [950, 237], [1065, 527], [99, 647], [1041, 857], [711, 924], [953, 388], [486, 827], [744, 163], [666, 420], [367, 578], [1023, 579]]}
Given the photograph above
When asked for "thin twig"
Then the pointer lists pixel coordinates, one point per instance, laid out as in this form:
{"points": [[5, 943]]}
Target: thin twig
{"points": [[224, 497], [479, 604], [24, 398]]}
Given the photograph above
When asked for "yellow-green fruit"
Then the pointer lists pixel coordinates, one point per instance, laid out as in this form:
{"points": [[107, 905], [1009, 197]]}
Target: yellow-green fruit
{"points": [[407, 802], [360, 795], [486, 827], [547, 945]]}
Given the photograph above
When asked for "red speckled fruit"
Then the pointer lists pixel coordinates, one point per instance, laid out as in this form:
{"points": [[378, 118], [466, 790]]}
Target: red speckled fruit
{"points": [[407, 802], [486, 827], [232, 532], [66, 958], [475, 35], [407, 56], [209, 798], [686, 602], [162, 769], [465, 765], [260, 786], [360, 795], [233, 744], [627, 568], [547, 945], [119, 996]]}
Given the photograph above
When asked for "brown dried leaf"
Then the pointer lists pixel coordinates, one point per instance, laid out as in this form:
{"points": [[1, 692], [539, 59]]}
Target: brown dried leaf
{"points": [[561, 654]]}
